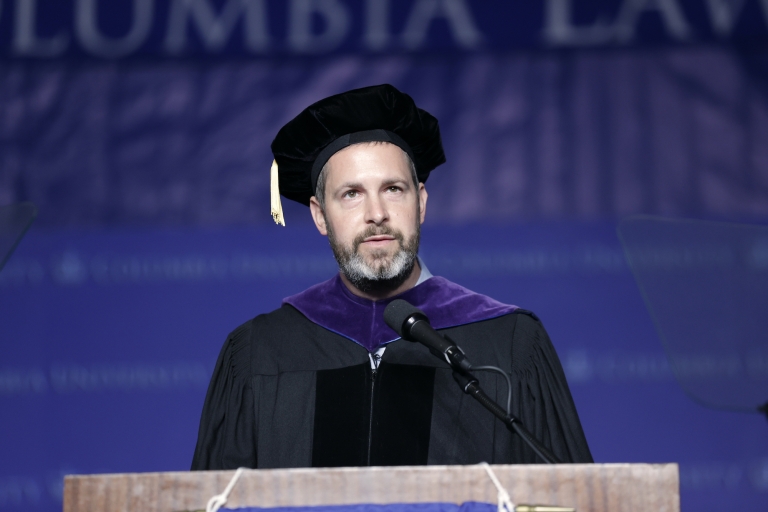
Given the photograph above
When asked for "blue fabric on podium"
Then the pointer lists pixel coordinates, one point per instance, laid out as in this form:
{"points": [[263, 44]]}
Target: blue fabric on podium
{"points": [[470, 506]]}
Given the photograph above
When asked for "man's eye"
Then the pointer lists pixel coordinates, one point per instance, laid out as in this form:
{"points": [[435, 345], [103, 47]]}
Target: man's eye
{"points": [[350, 193], [394, 188]]}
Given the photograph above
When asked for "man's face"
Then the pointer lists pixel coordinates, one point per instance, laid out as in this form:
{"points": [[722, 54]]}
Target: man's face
{"points": [[373, 212]]}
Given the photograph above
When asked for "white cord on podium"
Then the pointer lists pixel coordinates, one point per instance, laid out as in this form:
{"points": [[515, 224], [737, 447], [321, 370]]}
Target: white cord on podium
{"points": [[220, 500], [504, 501]]}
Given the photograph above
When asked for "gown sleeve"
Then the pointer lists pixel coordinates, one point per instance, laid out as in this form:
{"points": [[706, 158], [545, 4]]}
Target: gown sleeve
{"points": [[540, 395], [227, 435]]}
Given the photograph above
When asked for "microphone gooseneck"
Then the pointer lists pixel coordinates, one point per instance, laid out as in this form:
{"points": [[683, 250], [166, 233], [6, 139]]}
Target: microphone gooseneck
{"points": [[413, 325]]}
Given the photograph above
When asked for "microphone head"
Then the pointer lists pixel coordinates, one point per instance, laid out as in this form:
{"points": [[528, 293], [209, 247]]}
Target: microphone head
{"points": [[397, 312]]}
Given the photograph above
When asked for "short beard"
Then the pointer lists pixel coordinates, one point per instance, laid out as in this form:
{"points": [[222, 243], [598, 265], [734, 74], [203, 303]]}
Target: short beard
{"points": [[387, 275]]}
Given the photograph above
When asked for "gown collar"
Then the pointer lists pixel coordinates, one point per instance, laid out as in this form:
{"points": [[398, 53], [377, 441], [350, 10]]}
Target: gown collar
{"points": [[332, 306]]}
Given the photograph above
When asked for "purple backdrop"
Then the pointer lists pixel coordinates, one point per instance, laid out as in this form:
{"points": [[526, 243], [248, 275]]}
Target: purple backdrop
{"points": [[579, 135], [150, 169], [109, 338]]}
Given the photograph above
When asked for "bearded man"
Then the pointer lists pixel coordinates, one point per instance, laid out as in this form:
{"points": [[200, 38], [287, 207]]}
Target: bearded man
{"points": [[322, 381]]}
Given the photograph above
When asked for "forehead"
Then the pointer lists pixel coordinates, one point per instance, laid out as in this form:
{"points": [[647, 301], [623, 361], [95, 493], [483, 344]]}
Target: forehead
{"points": [[378, 160]]}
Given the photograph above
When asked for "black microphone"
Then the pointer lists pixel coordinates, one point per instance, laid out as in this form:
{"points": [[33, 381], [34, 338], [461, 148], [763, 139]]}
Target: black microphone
{"points": [[413, 325]]}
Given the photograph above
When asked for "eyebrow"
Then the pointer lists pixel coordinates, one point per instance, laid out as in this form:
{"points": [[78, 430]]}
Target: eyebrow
{"points": [[396, 181], [350, 185], [385, 183]]}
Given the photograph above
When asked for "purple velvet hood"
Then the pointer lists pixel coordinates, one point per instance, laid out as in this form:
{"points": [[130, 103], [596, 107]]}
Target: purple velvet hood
{"points": [[331, 305]]}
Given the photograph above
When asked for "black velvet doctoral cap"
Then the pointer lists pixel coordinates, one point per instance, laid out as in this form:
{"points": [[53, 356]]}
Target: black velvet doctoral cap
{"points": [[378, 113]]}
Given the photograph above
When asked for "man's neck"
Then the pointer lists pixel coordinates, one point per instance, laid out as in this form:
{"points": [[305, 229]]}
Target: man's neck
{"points": [[375, 295]]}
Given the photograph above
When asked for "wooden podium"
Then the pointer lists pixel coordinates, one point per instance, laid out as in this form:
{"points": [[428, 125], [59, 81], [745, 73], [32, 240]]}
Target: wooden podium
{"points": [[586, 487]]}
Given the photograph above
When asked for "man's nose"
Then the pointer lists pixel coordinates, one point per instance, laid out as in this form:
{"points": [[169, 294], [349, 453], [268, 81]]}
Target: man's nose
{"points": [[376, 211]]}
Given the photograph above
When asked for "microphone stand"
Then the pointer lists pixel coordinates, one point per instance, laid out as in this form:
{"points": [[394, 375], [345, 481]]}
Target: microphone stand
{"points": [[471, 386], [412, 324]]}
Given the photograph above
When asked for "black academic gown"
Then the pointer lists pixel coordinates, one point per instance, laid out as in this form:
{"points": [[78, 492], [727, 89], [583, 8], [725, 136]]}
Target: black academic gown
{"points": [[288, 393]]}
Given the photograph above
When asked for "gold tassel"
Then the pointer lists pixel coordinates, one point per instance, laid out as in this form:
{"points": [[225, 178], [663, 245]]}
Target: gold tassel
{"points": [[274, 189]]}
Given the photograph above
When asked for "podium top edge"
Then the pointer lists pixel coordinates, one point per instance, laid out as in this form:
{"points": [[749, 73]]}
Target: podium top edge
{"points": [[397, 469]]}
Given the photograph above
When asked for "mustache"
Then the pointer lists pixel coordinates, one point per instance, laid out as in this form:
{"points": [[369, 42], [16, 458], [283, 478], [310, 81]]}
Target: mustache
{"points": [[377, 231]]}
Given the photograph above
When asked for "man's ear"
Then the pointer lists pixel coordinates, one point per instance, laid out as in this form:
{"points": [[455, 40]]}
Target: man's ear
{"points": [[317, 215], [422, 203]]}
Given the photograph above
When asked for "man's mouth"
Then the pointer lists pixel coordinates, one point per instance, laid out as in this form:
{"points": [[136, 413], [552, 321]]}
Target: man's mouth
{"points": [[379, 238]]}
